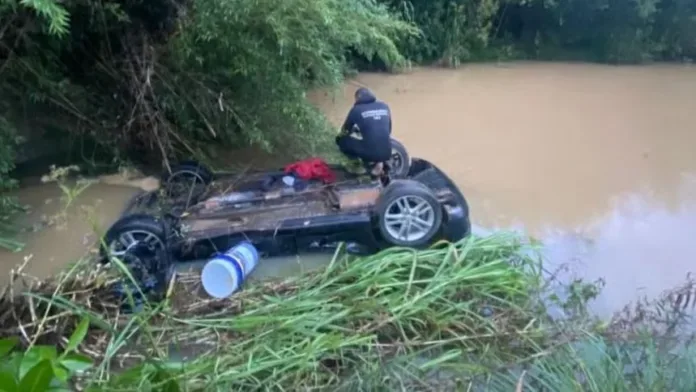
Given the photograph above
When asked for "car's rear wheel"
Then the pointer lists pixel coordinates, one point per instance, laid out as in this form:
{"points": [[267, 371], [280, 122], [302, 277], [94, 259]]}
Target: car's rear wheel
{"points": [[400, 160], [409, 214], [130, 231], [186, 182]]}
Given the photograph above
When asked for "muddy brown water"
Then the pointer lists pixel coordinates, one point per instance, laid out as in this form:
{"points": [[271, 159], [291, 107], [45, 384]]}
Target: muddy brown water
{"points": [[597, 160], [55, 235]]}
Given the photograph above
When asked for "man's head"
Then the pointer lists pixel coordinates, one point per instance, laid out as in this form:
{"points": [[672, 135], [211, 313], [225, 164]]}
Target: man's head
{"points": [[364, 95]]}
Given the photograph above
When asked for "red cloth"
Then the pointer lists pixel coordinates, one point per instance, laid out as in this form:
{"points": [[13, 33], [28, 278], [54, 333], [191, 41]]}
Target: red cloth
{"points": [[312, 169]]}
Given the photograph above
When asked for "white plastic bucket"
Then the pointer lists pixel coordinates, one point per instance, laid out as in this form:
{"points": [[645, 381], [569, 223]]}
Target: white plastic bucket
{"points": [[224, 274]]}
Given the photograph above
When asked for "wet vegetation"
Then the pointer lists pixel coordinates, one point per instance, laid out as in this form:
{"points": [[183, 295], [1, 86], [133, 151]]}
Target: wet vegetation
{"points": [[613, 31], [167, 78], [473, 315]]}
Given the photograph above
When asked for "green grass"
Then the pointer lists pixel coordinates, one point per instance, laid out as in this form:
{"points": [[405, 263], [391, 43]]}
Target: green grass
{"points": [[464, 315]]}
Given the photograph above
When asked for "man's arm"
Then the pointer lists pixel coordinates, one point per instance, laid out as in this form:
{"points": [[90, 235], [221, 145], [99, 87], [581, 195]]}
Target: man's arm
{"points": [[347, 127], [350, 125]]}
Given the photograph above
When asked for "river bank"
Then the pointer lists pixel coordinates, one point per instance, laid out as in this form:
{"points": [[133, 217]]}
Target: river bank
{"points": [[474, 313]]}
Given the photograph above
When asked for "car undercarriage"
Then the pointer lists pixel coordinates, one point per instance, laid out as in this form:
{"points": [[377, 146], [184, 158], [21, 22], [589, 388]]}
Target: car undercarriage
{"points": [[213, 214]]}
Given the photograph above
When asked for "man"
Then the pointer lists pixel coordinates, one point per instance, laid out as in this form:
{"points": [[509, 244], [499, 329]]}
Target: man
{"points": [[372, 120]]}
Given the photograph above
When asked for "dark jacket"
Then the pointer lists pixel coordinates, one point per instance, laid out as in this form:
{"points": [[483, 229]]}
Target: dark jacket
{"points": [[373, 120]]}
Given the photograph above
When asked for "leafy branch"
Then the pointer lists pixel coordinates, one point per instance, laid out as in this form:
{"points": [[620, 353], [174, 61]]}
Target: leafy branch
{"points": [[55, 14]]}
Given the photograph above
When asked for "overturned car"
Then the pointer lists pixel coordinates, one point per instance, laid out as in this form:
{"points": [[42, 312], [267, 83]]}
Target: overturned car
{"points": [[415, 204]]}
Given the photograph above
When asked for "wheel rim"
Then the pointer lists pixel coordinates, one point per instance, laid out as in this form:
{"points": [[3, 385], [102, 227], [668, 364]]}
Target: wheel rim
{"points": [[183, 184], [126, 240], [397, 161], [409, 218]]}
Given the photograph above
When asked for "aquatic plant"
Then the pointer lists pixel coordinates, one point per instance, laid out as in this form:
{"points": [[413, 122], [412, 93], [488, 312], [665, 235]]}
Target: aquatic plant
{"points": [[70, 191]]}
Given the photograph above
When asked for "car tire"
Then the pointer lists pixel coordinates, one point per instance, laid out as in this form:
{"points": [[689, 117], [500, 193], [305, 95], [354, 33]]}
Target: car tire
{"points": [[395, 212], [132, 229], [188, 172], [400, 161]]}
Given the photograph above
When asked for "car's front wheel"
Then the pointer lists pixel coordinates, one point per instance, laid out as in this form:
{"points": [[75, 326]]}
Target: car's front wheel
{"points": [[131, 231], [409, 214]]}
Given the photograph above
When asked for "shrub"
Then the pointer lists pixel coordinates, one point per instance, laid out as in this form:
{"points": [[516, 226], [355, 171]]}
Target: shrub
{"points": [[158, 77]]}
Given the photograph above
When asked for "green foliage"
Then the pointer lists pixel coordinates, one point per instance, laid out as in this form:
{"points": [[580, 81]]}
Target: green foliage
{"points": [[453, 30], [8, 205], [53, 12], [615, 31], [597, 364], [462, 316], [57, 21], [605, 30], [156, 78], [41, 368], [256, 60]]}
